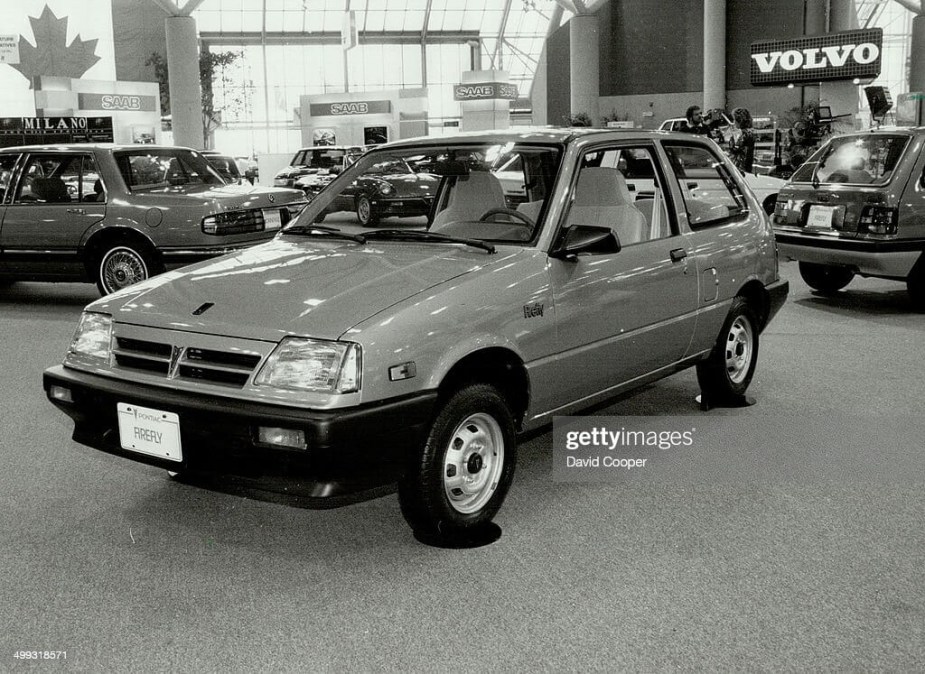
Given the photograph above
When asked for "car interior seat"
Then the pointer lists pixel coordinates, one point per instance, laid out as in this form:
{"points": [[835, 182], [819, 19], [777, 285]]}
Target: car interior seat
{"points": [[98, 192], [603, 199], [472, 196], [50, 190]]}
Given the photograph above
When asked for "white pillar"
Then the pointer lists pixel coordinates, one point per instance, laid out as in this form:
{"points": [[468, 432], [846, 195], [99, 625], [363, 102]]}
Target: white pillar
{"points": [[585, 66], [714, 54], [185, 90], [917, 59]]}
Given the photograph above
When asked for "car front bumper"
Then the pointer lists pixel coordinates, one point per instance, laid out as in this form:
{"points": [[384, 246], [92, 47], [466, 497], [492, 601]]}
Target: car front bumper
{"points": [[351, 454], [888, 259]]}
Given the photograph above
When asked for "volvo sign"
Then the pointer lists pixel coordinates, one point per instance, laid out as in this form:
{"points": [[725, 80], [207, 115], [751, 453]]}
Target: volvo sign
{"points": [[853, 54]]}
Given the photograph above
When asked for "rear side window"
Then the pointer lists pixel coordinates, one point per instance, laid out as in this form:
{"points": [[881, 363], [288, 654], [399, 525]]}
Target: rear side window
{"points": [[7, 162], [860, 160], [710, 195]]}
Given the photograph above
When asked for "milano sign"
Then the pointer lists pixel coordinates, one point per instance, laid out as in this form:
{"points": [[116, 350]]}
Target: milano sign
{"points": [[820, 58]]}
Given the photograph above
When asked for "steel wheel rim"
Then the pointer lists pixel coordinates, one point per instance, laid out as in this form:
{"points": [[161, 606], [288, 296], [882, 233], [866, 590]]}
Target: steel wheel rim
{"points": [[121, 268], [739, 348], [363, 209], [474, 460]]}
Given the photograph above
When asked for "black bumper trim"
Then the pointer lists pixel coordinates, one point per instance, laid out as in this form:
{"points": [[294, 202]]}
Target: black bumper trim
{"points": [[852, 245], [352, 454], [777, 295]]}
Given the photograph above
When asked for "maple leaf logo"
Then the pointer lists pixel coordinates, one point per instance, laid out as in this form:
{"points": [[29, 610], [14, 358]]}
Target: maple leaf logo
{"points": [[51, 54]]}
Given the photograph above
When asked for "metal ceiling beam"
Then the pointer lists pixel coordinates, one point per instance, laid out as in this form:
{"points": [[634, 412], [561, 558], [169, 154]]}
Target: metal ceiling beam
{"points": [[496, 57], [426, 21], [173, 8], [914, 7]]}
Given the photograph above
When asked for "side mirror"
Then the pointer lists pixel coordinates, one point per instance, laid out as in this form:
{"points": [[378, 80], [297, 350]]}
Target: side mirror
{"points": [[585, 239]]}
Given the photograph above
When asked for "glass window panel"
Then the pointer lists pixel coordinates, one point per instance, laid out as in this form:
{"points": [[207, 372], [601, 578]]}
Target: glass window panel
{"points": [[472, 20], [375, 21], [414, 21], [381, 5], [453, 20], [252, 21], [231, 6], [395, 20], [275, 22], [332, 21], [208, 22], [232, 22], [436, 19], [412, 74]]}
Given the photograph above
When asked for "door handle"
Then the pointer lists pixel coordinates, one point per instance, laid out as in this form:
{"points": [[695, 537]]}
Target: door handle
{"points": [[77, 211], [678, 254]]}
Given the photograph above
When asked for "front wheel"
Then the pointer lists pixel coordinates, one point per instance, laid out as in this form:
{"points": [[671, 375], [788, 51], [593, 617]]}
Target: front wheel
{"points": [[459, 479], [825, 278], [122, 265], [727, 372], [365, 214]]}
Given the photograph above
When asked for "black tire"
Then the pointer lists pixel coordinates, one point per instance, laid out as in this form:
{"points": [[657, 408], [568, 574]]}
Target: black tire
{"points": [[366, 216], [769, 204], [122, 264], [447, 494], [915, 285], [825, 278], [727, 372]]}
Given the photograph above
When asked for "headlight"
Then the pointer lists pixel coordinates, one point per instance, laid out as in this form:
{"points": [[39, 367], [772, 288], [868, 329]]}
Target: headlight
{"points": [[386, 189], [92, 341], [312, 365]]}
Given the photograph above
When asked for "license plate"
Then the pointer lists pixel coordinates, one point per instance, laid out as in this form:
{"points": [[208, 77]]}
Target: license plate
{"points": [[149, 431], [821, 216], [271, 219]]}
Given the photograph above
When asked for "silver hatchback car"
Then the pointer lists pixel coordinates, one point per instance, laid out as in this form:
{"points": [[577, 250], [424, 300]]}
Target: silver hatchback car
{"points": [[339, 360]]}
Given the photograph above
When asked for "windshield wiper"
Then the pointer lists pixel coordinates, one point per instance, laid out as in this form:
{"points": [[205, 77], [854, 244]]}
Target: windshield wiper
{"points": [[320, 230], [417, 235]]}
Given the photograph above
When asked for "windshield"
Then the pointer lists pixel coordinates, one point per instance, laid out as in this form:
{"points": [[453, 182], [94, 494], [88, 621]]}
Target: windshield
{"points": [[161, 168], [487, 192], [864, 160]]}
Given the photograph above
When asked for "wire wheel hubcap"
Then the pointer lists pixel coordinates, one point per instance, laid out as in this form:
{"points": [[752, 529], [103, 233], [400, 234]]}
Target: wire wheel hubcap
{"points": [[364, 209], [122, 267], [739, 349], [473, 464]]}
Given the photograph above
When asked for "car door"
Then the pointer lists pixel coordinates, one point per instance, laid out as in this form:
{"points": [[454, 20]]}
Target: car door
{"points": [[623, 315], [724, 231], [52, 206]]}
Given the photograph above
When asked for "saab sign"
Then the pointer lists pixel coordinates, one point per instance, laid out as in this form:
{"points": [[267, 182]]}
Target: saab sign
{"points": [[853, 54], [483, 91], [120, 102], [350, 108]]}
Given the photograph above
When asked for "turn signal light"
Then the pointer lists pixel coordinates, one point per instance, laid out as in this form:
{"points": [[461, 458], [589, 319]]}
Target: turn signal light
{"points": [[281, 437]]}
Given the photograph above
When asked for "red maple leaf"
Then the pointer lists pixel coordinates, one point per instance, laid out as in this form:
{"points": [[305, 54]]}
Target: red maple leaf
{"points": [[51, 54]]}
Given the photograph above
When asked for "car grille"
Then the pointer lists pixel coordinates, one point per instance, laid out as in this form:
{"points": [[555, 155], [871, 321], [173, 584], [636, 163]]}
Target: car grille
{"points": [[226, 368]]}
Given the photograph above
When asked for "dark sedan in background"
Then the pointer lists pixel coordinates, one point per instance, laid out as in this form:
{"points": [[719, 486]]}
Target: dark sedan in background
{"points": [[390, 187]]}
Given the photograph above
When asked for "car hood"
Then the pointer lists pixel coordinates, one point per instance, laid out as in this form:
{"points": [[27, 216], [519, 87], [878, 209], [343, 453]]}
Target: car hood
{"points": [[292, 286]]}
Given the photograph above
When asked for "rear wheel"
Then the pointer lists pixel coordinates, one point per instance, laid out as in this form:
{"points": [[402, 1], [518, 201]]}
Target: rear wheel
{"points": [[459, 479], [915, 285], [825, 278], [365, 214], [727, 372], [121, 265]]}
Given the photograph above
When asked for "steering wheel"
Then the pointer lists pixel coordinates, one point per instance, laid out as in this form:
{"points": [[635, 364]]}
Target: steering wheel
{"points": [[517, 215], [838, 177]]}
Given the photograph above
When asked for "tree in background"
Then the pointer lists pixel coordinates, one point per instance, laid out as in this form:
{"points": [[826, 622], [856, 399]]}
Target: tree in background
{"points": [[212, 65]]}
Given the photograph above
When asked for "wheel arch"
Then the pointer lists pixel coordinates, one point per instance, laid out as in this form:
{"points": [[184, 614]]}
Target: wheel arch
{"points": [[496, 365], [103, 238], [757, 297]]}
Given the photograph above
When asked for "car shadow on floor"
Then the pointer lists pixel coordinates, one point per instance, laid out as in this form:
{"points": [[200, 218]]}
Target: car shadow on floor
{"points": [[867, 302]]}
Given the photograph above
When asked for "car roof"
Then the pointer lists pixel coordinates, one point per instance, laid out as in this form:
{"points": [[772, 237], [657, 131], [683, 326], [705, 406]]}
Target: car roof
{"points": [[58, 147], [541, 135]]}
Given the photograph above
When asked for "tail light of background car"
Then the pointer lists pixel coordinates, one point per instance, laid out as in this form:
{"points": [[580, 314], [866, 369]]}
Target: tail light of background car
{"points": [[234, 222], [879, 220]]}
